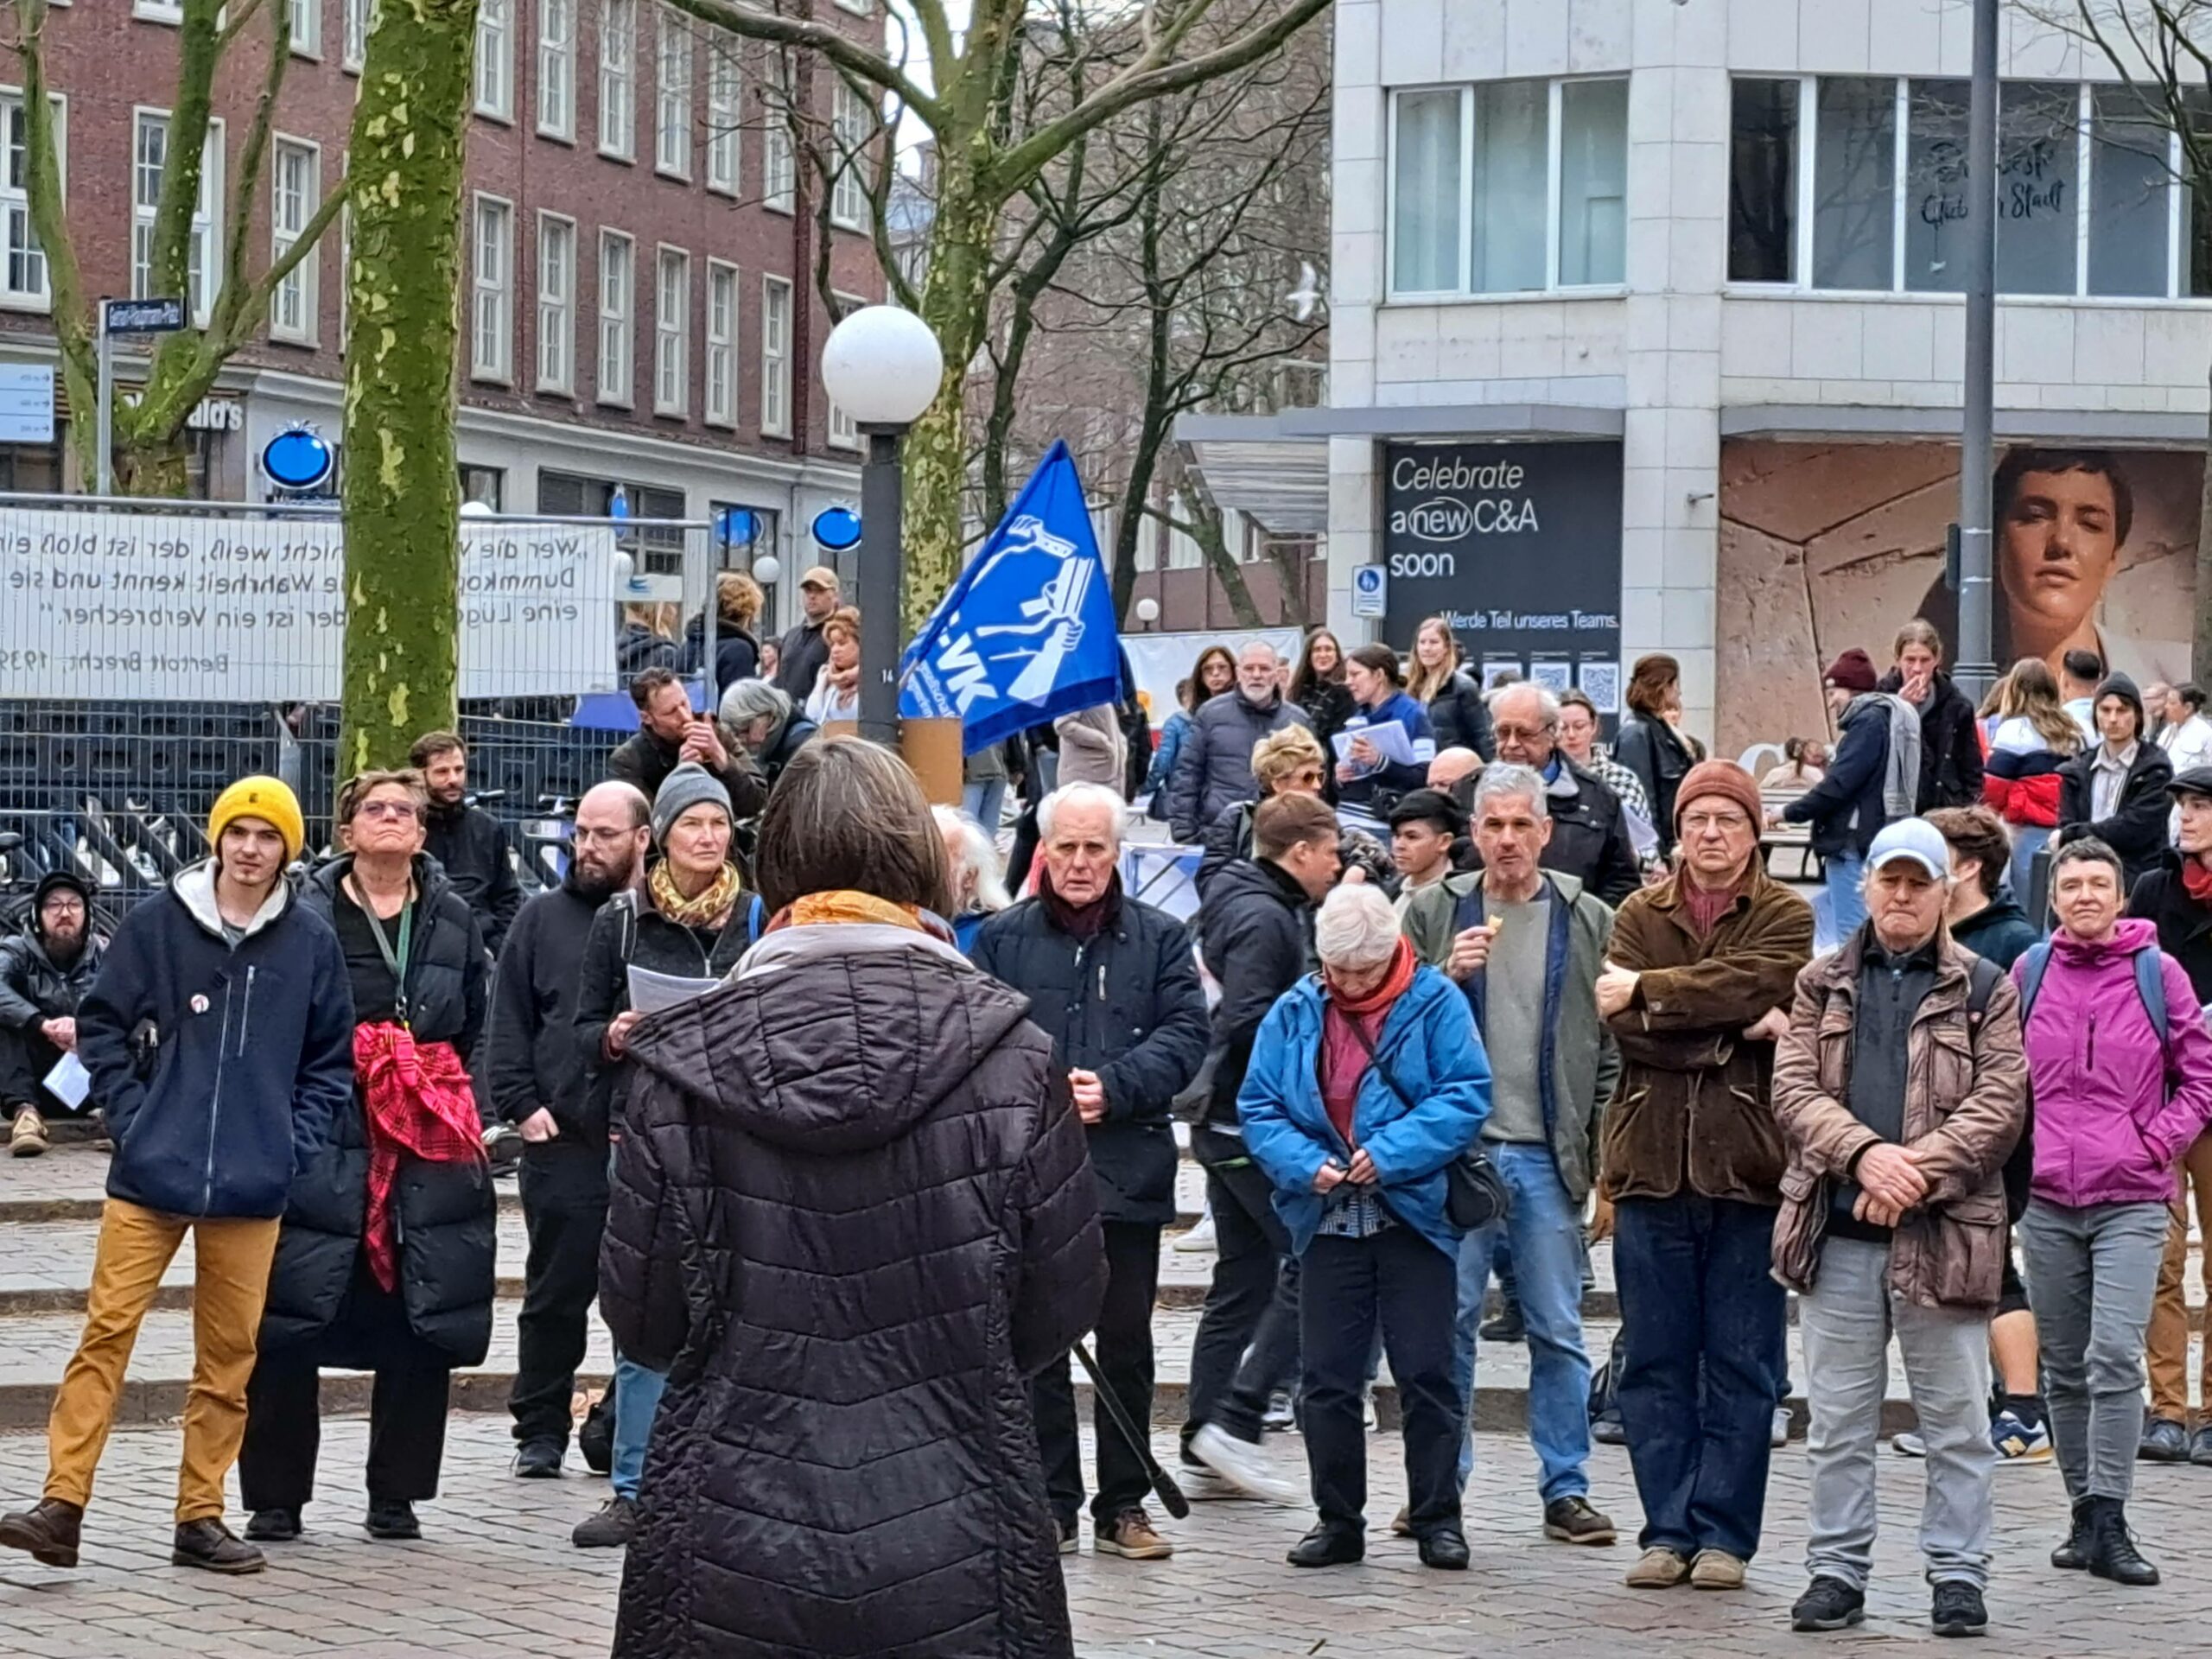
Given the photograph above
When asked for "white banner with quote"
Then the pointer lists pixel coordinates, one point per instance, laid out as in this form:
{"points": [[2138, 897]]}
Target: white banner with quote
{"points": [[97, 604]]}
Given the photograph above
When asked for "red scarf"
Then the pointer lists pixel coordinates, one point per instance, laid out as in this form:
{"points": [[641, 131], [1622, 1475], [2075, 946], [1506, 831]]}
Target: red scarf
{"points": [[1343, 1057], [1706, 906], [2196, 880], [417, 1102]]}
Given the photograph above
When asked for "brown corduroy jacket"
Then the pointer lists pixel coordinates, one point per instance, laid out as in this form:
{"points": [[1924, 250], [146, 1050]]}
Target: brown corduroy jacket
{"points": [[1694, 1112]]}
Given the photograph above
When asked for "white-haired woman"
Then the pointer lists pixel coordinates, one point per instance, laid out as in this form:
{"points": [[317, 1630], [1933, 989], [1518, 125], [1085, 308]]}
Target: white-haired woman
{"points": [[1367, 1079], [978, 876]]}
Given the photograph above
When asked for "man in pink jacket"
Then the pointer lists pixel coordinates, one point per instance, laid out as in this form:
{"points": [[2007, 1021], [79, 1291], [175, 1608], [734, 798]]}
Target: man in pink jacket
{"points": [[2121, 1070]]}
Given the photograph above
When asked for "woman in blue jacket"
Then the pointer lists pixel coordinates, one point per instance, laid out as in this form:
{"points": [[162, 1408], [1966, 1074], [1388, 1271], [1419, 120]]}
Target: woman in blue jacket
{"points": [[1366, 1081], [1367, 783]]}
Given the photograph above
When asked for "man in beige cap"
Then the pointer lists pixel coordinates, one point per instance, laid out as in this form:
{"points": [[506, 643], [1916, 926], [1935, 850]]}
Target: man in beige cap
{"points": [[800, 657]]}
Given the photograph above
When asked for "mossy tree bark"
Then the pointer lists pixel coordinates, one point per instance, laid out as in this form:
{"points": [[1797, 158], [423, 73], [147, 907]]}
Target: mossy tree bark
{"points": [[402, 492]]}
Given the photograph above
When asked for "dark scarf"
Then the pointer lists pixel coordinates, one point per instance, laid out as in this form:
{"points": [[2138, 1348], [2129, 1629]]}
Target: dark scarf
{"points": [[1080, 921], [1705, 906]]}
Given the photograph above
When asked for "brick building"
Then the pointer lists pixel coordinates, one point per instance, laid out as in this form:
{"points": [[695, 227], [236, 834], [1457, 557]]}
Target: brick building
{"points": [[639, 241]]}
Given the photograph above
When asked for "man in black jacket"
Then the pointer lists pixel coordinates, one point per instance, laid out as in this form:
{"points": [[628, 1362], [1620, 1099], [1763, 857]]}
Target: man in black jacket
{"points": [[670, 733], [1112, 983], [1950, 747], [1257, 925], [46, 969], [804, 650], [466, 840], [2116, 790], [1590, 838], [538, 1087]]}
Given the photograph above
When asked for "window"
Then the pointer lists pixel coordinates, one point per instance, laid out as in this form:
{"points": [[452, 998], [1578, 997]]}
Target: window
{"points": [[778, 174], [1509, 187], [843, 434], [22, 282], [775, 357], [306, 28], [673, 332], [296, 190], [353, 43], [849, 129], [724, 111], [492, 332], [722, 343], [618, 91], [672, 97], [486, 486], [556, 68], [617, 268], [495, 58], [149, 159], [2086, 193], [557, 303]]}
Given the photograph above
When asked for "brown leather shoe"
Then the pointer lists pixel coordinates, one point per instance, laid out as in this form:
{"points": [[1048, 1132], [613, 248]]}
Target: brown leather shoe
{"points": [[212, 1546], [48, 1529]]}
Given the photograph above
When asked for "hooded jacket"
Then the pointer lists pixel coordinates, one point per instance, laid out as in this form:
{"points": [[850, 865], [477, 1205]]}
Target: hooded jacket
{"points": [[33, 988], [2136, 828], [2184, 926], [1214, 769], [2113, 1114], [1845, 808], [851, 1215], [1999, 931], [444, 1214], [1965, 1105], [1427, 1048], [223, 1067], [1255, 931]]}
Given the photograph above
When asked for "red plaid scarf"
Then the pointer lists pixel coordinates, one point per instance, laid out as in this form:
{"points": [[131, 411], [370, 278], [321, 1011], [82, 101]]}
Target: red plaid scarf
{"points": [[418, 1101]]}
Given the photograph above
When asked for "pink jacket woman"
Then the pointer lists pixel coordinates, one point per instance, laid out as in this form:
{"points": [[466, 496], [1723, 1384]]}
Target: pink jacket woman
{"points": [[2111, 1117]]}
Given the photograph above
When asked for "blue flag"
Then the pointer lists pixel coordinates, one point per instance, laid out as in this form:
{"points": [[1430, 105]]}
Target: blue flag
{"points": [[1028, 632]]}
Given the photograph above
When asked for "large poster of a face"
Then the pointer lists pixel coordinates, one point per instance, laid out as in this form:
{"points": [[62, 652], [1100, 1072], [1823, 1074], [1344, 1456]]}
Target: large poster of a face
{"points": [[1824, 546]]}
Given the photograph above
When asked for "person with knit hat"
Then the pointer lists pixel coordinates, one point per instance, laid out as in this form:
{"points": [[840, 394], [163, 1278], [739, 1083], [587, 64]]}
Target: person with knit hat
{"points": [[691, 919], [45, 968], [2116, 790], [1874, 779], [221, 1035], [1699, 973]]}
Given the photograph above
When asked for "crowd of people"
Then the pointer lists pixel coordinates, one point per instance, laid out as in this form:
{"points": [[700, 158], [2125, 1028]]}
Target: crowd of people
{"points": [[852, 1133]]}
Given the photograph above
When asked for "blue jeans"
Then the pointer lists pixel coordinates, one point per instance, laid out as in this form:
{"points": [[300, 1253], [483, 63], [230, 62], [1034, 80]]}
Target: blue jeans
{"points": [[1846, 903], [1698, 1299], [1543, 1231], [985, 802], [637, 1399]]}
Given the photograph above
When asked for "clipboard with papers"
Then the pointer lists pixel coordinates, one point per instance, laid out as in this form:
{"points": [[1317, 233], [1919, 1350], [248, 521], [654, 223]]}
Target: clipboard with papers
{"points": [[1388, 737]]}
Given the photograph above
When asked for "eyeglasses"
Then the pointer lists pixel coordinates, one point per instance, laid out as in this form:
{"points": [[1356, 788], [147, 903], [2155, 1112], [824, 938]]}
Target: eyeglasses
{"points": [[1696, 824], [1519, 732], [388, 811], [66, 906]]}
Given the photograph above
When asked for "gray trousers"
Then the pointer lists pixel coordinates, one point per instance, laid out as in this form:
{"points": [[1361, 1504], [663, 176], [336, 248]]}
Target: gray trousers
{"points": [[2092, 1273], [1847, 1321]]}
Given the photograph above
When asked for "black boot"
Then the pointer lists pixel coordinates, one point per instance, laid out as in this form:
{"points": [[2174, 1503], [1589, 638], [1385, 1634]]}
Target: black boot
{"points": [[2113, 1553], [2073, 1555], [211, 1546], [391, 1517], [1327, 1546]]}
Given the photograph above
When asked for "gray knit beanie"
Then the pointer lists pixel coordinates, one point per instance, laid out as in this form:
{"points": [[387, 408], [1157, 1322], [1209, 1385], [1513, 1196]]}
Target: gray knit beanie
{"points": [[690, 784]]}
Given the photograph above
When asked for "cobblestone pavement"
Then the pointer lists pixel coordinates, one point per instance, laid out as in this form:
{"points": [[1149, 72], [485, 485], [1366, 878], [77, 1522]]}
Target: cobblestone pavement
{"points": [[496, 1578]]}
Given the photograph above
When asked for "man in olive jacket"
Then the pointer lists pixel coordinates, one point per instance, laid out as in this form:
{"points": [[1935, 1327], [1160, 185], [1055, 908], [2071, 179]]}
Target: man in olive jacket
{"points": [[1703, 966], [1900, 1089]]}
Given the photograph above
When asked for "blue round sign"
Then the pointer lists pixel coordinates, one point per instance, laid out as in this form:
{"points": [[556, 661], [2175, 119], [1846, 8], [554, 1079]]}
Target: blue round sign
{"points": [[738, 526], [837, 528], [297, 458]]}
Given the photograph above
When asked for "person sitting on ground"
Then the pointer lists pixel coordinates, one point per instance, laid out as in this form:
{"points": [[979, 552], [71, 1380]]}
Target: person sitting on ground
{"points": [[1366, 1081], [975, 876], [47, 969], [1899, 1089], [764, 721], [669, 733]]}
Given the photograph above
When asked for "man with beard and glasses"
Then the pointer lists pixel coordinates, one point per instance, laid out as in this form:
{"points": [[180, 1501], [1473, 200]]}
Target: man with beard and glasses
{"points": [[46, 969], [538, 1087], [466, 840]]}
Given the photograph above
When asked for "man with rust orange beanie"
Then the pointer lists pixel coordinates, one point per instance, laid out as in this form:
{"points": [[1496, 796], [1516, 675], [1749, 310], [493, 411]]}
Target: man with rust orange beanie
{"points": [[1874, 778], [243, 1000]]}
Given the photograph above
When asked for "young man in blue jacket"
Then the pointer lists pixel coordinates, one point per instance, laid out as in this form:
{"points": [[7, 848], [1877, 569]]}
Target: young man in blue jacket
{"points": [[220, 1034]]}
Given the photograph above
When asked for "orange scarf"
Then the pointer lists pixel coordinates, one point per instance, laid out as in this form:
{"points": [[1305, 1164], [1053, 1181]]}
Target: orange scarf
{"points": [[846, 904]]}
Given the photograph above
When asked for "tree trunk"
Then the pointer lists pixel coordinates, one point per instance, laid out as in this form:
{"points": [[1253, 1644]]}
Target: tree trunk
{"points": [[154, 466], [402, 493], [2200, 658], [956, 303], [1205, 529]]}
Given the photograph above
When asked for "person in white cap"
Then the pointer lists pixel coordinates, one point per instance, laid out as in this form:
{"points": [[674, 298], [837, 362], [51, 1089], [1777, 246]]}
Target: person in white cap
{"points": [[803, 651], [1899, 1089]]}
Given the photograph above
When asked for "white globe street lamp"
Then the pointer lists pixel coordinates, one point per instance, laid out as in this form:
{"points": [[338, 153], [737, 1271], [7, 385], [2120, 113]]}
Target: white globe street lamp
{"points": [[883, 367]]}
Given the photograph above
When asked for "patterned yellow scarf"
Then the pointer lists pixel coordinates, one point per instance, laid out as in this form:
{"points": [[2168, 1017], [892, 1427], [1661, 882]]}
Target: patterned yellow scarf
{"points": [[710, 908], [847, 904]]}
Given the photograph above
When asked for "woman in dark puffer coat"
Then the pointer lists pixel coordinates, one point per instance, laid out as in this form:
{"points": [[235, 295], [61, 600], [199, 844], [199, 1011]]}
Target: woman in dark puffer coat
{"points": [[852, 1215]]}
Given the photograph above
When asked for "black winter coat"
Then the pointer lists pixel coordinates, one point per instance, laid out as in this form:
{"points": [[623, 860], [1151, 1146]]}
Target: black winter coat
{"points": [[531, 1034], [799, 731], [629, 932], [2184, 926], [1950, 747], [472, 845], [1255, 931], [1654, 752], [444, 1214], [1214, 767], [2137, 829], [646, 761], [851, 1215], [639, 648], [1229, 839], [801, 655], [1847, 808], [33, 987], [1328, 704], [1590, 834], [1126, 1004], [1461, 719]]}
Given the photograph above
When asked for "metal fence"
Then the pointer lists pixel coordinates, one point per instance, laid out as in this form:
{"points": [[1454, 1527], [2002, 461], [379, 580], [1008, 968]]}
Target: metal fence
{"points": [[151, 651]]}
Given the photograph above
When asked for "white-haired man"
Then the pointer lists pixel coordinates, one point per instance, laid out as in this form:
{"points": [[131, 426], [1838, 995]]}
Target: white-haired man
{"points": [[1213, 770], [1590, 838], [1112, 983]]}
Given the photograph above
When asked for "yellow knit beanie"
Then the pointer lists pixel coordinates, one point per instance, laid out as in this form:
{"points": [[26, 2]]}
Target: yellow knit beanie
{"points": [[266, 798]]}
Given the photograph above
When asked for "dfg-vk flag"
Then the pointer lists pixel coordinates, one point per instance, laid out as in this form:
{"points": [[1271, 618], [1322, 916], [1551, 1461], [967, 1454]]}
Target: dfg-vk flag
{"points": [[1028, 632]]}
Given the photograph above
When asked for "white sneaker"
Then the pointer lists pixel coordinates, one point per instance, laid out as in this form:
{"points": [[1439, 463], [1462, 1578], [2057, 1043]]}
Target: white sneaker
{"points": [[1203, 1485], [1199, 1238], [1908, 1445], [1780, 1435], [1242, 1463]]}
